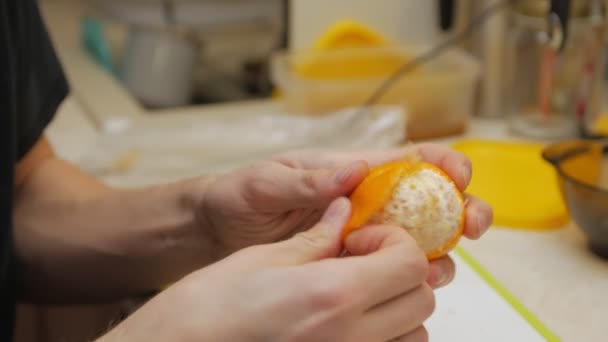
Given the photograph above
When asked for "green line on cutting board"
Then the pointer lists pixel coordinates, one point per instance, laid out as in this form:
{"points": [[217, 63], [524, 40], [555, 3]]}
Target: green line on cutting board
{"points": [[510, 298]]}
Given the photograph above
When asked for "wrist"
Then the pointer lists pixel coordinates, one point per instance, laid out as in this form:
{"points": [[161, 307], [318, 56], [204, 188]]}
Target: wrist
{"points": [[194, 200], [195, 231], [200, 231], [169, 238]]}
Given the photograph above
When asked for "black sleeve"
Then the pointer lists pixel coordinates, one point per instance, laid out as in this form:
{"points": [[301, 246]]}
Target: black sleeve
{"points": [[32, 86], [40, 84]]}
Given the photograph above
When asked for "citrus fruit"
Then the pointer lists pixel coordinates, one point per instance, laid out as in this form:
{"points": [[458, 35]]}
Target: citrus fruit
{"points": [[416, 196]]}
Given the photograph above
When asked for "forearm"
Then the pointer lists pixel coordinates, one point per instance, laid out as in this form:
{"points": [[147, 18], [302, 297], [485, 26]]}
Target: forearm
{"points": [[78, 240]]}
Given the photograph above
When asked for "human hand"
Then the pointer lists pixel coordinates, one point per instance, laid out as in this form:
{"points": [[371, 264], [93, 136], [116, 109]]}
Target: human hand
{"points": [[274, 199], [298, 290]]}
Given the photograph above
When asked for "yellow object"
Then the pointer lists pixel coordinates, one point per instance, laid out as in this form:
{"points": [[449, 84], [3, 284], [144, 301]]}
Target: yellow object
{"points": [[417, 196], [348, 38], [600, 125], [521, 187], [350, 62], [344, 65], [585, 166], [349, 34]]}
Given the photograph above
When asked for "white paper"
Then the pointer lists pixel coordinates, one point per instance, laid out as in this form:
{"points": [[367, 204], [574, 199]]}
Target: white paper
{"points": [[470, 310]]}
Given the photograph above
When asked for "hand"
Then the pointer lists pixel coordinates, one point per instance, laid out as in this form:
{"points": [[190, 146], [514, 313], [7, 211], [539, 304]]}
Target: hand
{"points": [[298, 290], [275, 199]]}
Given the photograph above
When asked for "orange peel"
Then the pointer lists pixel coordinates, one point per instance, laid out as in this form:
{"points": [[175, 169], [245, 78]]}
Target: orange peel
{"points": [[416, 196]]}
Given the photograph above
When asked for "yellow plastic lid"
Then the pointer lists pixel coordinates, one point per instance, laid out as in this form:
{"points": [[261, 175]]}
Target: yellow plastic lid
{"points": [[600, 125], [349, 33], [350, 39], [521, 187]]}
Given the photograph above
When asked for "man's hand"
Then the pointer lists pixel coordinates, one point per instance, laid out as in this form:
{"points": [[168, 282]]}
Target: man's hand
{"points": [[72, 232], [275, 199], [298, 290]]}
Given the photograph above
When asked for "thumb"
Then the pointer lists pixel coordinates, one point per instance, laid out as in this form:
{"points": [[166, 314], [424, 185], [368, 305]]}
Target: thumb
{"points": [[320, 242]]}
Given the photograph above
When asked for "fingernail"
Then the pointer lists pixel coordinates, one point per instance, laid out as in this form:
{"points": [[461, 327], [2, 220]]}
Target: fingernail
{"points": [[343, 175], [337, 213], [443, 280], [484, 220], [443, 277], [465, 172]]}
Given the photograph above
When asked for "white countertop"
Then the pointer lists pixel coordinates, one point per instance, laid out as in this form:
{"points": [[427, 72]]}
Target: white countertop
{"points": [[550, 272]]}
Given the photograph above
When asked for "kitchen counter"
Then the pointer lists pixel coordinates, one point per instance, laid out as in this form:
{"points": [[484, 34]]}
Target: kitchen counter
{"points": [[550, 272]]}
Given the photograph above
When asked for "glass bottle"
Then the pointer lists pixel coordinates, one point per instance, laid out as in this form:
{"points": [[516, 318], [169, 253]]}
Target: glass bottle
{"points": [[552, 68]]}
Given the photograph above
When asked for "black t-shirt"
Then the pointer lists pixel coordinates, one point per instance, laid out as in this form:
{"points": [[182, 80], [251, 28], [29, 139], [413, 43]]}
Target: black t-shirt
{"points": [[32, 86]]}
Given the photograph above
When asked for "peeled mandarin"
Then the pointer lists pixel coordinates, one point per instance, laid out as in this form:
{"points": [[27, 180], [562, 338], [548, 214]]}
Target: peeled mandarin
{"points": [[416, 196]]}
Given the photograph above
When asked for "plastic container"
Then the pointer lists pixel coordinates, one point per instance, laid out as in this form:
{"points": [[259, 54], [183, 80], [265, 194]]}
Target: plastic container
{"points": [[438, 96]]}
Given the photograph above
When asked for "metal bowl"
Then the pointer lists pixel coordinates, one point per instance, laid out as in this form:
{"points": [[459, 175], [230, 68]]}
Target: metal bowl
{"points": [[582, 166]]}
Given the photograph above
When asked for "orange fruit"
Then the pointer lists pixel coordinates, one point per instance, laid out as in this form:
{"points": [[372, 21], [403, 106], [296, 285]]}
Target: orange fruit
{"points": [[416, 196]]}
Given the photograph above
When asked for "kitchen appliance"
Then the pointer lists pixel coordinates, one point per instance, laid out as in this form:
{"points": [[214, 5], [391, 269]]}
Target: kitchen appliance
{"points": [[582, 166]]}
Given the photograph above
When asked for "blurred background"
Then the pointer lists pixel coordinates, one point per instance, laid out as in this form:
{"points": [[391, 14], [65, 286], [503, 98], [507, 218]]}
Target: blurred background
{"points": [[153, 82]]}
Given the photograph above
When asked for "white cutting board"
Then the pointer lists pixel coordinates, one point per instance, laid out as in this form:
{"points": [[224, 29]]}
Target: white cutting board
{"points": [[471, 310]]}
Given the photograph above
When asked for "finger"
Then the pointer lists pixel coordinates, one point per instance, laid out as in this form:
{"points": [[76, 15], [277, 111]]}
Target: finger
{"points": [[479, 217], [313, 159], [454, 163], [385, 262], [320, 242], [283, 188], [420, 334], [441, 272], [398, 317]]}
